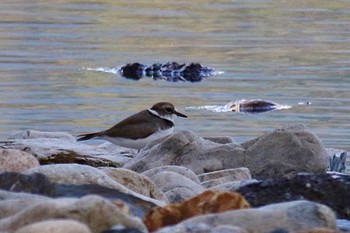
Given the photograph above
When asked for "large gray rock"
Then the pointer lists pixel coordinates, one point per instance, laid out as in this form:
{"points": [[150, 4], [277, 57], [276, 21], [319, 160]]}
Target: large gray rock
{"points": [[96, 212], [284, 217], [55, 226], [58, 147], [284, 152], [176, 187], [78, 174], [16, 161]]}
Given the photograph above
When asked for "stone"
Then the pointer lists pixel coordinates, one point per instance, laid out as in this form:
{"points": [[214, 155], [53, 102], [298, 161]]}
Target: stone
{"points": [[220, 140], [283, 217], [40, 184], [203, 228], [205, 203], [185, 148], [53, 147], [33, 134], [34, 183], [211, 179], [12, 160], [11, 202], [55, 226], [137, 182], [96, 212], [78, 174], [172, 168], [233, 186], [336, 160], [283, 152], [328, 189], [175, 186], [286, 152]]}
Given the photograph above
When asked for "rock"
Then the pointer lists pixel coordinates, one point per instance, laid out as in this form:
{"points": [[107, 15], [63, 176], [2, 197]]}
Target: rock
{"points": [[205, 203], [336, 160], [233, 186], [62, 149], [97, 213], [204, 228], [12, 160], [39, 184], [211, 179], [284, 152], [176, 187], [220, 140], [178, 169], [137, 182], [78, 174], [284, 217], [11, 203], [55, 226], [35, 183], [32, 134], [328, 189], [184, 148]]}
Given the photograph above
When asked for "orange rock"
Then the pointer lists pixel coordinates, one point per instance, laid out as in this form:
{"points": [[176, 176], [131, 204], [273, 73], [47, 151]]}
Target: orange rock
{"points": [[210, 201]]}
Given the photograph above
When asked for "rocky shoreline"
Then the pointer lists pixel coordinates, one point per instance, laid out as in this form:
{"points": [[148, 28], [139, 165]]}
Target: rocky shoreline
{"points": [[282, 181]]}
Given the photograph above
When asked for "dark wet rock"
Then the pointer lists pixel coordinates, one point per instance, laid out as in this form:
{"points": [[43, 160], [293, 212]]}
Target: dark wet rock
{"points": [[40, 184], [283, 152], [171, 71], [327, 189], [36, 183], [336, 160]]}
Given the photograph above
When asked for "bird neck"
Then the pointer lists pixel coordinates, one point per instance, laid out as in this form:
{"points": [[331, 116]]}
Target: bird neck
{"points": [[168, 117]]}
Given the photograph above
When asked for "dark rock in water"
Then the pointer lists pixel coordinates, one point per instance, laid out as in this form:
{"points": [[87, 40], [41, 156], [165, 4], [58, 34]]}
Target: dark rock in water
{"points": [[336, 160], [328, 189], [39, 184], [171, 71]]}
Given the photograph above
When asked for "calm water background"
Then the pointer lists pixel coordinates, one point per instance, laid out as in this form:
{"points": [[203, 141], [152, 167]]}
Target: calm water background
{"points": [[283, 51]]}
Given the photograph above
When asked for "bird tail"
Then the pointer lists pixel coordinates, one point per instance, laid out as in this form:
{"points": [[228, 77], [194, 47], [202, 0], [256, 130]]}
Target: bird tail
{"points": [[88, 136]]}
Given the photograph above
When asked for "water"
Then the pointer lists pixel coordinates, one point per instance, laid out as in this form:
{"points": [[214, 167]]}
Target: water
{"points": [[288, 52]]}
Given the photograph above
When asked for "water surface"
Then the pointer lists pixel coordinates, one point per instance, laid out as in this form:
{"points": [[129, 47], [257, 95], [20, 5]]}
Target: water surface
{"points": [[282, 51]]}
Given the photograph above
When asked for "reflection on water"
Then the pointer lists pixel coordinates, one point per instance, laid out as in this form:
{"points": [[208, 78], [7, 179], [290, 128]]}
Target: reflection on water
{"points": [[283, 51]]}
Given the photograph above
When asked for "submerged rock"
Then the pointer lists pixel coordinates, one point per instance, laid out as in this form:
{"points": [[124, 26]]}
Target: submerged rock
{"points": [[171, 71]]}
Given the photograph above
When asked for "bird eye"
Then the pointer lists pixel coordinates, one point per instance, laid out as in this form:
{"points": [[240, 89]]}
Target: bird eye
{"points": [[168, 110]]}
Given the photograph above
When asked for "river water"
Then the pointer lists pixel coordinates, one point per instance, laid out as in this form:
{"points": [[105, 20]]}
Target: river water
{"points": [[295, 53]]}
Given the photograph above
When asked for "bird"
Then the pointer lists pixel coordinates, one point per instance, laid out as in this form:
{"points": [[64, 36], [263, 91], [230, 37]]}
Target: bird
{"points": [[141, 128]]}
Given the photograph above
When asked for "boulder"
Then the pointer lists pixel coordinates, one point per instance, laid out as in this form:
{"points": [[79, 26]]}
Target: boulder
{"points": [[55, 226], [327, 189], [136, 182], [78, 174], [284, 152], [176, 187], [172, 168], [205, 203], [12, 160], [39, 184], [283, 217], [58, 147], [211, 179], [96, 212]]}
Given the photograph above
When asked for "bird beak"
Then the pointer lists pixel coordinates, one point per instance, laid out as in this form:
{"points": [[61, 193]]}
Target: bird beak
{"points": [[180, 114]]}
